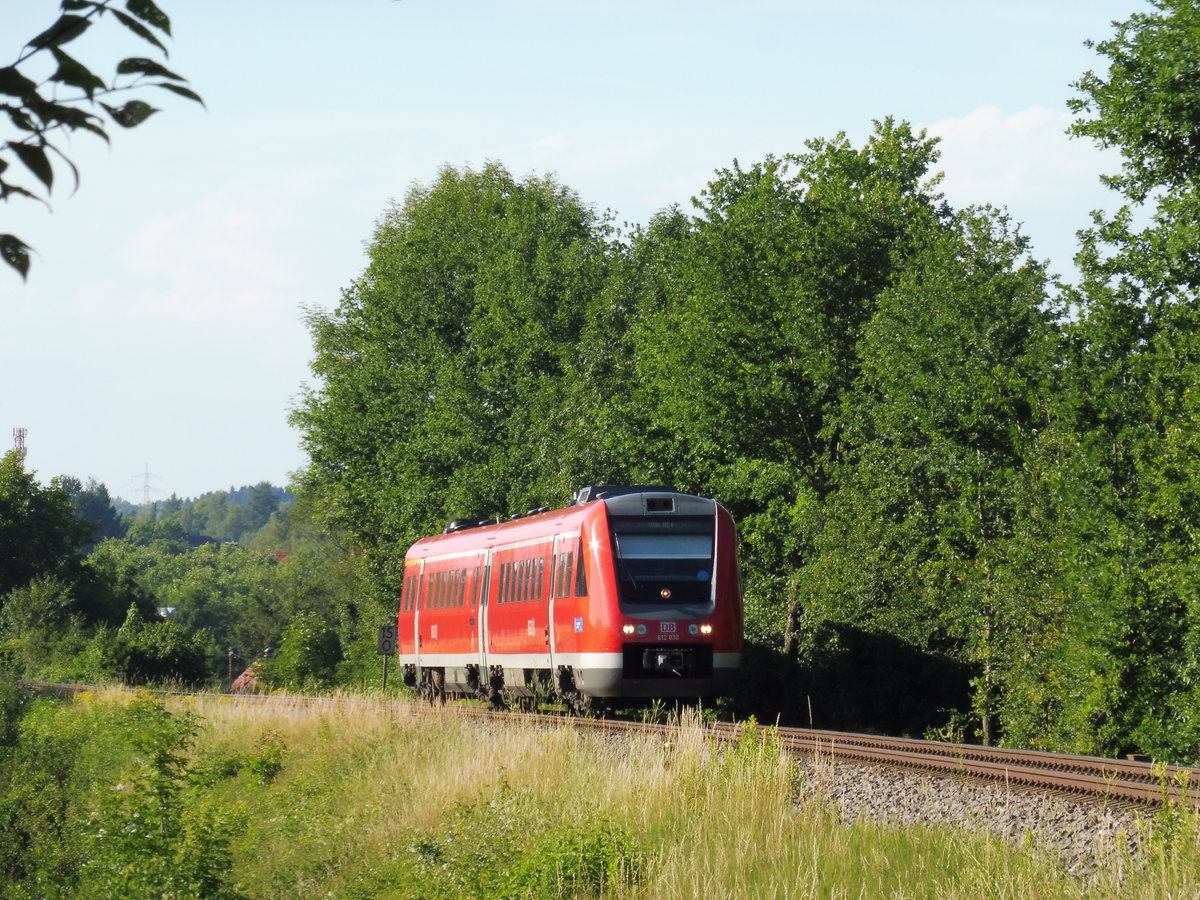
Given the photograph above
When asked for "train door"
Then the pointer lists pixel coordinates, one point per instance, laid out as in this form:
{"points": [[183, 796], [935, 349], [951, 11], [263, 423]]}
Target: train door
{"points": [[418, 602], [550, 638], [485, 580]]}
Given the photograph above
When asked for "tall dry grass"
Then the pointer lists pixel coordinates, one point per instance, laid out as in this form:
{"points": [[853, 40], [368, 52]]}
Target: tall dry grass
{"points": [[379, 801]]}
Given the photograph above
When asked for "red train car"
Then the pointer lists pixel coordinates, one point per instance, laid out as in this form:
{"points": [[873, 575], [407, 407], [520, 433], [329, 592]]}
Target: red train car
{"points": [[629, 593]]}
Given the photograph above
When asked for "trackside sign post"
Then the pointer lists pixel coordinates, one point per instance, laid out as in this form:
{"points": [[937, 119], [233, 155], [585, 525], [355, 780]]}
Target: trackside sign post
{"points": [[387, 646]]}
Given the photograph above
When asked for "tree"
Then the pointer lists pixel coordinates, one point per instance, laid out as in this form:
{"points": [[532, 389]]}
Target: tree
{"points": [[950, 395], [440, 366], [747, 336], [94, 506], [39, 531], [1115, 501], [39, 115]]}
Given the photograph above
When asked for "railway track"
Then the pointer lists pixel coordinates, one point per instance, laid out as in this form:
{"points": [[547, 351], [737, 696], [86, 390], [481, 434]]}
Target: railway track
{"points": [[1087, 778]]}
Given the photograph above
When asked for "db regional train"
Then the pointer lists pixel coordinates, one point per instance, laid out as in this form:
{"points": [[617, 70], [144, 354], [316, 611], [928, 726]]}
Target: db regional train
{"points": [[631, 594]]}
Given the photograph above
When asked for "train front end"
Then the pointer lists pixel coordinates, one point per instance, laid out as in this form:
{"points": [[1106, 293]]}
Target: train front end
{"points": [[666, 595]]}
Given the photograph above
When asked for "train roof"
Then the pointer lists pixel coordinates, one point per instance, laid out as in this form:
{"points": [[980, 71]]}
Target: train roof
{"points": [[462, 535]]}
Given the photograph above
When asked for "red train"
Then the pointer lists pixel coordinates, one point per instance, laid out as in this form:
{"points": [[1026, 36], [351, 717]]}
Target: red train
{"points": [[629, 593]]}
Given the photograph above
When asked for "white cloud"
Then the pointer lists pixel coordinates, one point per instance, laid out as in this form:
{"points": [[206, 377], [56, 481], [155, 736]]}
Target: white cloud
{"points": [[553, 143], [1026, 156]]}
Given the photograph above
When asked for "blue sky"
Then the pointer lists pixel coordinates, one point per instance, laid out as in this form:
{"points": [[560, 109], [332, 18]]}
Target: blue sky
{"points": [[162, 323]]}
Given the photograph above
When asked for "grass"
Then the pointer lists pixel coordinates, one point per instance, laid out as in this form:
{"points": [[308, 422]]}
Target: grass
{"points": [[372, 801]]}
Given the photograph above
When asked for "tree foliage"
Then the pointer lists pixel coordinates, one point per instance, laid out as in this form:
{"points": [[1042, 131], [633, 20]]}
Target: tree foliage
{"points": [[442, 363], [47, 94]]}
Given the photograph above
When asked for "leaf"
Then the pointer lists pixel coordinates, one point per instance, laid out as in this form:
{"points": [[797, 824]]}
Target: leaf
{"points": [[139, 29], [66, 159], [148, 12], [21, 119], [141, 65], [14, 84], [66, 29], [132, 114], [72, 72], [183, 92], [6, 189], [15, 252], [36, 161]]}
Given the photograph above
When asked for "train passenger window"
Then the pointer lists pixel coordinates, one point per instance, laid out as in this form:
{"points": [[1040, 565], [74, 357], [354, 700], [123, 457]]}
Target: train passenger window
{"points": [[540, 581], [484, 584], [581, 587]]}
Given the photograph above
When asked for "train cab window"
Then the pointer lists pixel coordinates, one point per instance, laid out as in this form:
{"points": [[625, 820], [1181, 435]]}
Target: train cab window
{"points": [[672, 563]]}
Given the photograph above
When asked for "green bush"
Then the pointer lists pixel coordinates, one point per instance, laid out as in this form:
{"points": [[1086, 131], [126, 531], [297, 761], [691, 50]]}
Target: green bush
{"points": [[159, 652], [308, 655], [98, 800]]}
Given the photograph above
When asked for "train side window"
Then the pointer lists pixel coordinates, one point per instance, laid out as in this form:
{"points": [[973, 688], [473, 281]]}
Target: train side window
{"points": [[484, 584], [540, 567], [460, 598], [581, 587]]}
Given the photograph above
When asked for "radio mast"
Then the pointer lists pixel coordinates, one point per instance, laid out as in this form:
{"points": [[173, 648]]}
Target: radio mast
{"points": [[19, 444]]}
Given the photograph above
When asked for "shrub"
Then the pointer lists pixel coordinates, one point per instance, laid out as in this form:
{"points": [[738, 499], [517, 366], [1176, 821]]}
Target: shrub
{"points": [[308, 655], [160, 652]]}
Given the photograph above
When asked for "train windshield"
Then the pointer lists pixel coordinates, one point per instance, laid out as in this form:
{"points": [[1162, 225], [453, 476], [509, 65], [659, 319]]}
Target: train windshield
{"points": [[673, 566]]}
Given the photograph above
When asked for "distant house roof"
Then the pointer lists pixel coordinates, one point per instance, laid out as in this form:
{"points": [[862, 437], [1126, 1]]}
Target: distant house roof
{"points": [[245, 683]]}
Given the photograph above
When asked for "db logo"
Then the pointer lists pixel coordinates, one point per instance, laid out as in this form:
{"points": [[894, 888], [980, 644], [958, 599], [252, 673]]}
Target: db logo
{"points": [[666, 627]]}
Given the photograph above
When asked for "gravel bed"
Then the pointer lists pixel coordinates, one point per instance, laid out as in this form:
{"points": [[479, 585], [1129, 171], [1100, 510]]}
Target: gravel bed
{"points": [[1079, 833]]}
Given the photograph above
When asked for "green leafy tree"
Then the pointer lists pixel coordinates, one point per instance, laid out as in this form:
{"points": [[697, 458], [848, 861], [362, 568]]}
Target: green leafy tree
{"points": [[439, 360], [747, 335], [1107, 535], [43, 108], [949, 397], [93, 505], [39, 531]]}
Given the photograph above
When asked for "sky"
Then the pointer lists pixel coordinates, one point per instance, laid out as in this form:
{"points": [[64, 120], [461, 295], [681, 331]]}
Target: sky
{"points": [[160, 339]]}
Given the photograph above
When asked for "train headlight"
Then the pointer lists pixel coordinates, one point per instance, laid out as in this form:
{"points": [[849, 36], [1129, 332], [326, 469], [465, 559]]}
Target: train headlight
{"points": [[628, 629], [693, 629], [706, 629]]}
